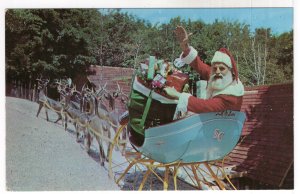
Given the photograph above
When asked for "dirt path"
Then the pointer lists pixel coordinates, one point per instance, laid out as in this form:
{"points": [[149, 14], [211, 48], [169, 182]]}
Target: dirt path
{"points": [[41, 156]]}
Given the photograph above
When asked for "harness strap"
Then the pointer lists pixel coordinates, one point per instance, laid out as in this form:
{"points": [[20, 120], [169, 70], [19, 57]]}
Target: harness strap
{"points": [[99, 135], [51, 108], [146, 110]]}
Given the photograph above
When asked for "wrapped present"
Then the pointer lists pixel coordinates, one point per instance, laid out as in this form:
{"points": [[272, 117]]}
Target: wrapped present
{"points": [[149, 106], [177, 80], [157, 74]]}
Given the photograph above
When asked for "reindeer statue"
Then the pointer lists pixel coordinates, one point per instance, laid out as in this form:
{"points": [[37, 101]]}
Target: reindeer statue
{"points": [[71, 110], [99, 128], [112, 117], [46, 102], [71, 104]]}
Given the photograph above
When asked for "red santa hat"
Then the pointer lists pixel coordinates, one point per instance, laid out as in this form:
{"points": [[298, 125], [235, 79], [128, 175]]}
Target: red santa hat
{"points": [[224, 56]]}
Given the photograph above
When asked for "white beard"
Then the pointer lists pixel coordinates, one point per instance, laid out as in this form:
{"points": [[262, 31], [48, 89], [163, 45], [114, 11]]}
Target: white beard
{"points": [[221, 83]]}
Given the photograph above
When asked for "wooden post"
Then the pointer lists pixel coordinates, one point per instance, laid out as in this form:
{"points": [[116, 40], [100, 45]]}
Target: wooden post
{"points": [[25, 91], [30, 90], [34, 93], [19, 89]]}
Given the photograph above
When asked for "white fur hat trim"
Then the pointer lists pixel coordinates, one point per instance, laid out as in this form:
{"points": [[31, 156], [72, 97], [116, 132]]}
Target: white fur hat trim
{"points": [[221, 57]]}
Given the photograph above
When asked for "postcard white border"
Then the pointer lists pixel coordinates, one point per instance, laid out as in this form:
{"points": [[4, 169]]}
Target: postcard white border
{"points": [[6, 4], [145, 3]]}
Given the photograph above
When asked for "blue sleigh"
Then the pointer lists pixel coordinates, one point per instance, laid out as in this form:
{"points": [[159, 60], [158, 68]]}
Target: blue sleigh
{"points": [[194, 140], [197, 138], [188, 142]]}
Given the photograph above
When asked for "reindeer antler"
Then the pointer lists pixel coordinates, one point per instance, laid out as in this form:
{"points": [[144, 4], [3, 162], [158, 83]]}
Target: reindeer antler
{"points": [[74, 86], [120, 93], [47, 80], [39, 78], [75, 90], [83, 87], [101, 89]]}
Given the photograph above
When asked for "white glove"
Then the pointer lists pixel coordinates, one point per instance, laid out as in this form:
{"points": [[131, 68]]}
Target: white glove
{"points": [[172, 92]]}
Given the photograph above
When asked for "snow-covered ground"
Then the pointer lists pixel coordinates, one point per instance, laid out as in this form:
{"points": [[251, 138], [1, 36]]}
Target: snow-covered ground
{"points": [[42, 156]]}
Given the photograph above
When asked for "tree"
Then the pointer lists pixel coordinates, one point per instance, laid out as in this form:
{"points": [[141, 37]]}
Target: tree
{"points": [[284, 54], [49, 42], [66, 42]]}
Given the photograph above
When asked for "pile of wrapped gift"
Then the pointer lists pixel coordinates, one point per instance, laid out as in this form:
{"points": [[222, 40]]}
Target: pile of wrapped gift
{"points": [[149, 106]]}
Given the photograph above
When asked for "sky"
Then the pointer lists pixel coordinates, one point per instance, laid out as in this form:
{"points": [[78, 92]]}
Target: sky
{"points": [[278, 19]]}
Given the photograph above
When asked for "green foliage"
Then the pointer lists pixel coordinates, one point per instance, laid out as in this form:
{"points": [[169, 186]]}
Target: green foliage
{"points": [[64, 42], [49, 42]]}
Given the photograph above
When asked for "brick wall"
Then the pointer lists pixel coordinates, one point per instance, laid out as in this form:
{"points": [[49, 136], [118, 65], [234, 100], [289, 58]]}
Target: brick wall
{"points": [[113, 76], [265, 150]]}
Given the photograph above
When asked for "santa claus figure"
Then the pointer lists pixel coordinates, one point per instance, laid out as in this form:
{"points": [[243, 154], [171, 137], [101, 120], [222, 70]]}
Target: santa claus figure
{"points": [[224, 90]]}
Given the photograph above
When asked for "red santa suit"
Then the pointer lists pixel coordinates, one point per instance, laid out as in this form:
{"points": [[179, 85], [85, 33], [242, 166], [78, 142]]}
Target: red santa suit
{"points": [[229, 98]]}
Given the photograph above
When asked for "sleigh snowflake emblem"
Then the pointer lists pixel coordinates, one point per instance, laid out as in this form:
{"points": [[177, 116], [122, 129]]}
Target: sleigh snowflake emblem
{"points": [[218, 134]]}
